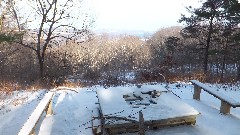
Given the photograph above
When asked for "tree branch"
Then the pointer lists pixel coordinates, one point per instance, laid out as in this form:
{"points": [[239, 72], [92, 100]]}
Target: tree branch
{"points": [[28, 46], [69, 26]]}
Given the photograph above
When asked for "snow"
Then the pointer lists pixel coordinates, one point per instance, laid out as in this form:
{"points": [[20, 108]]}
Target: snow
{"points": [[12, 115], [166, 105], [217, 93], [34, 117], [73, 111]]}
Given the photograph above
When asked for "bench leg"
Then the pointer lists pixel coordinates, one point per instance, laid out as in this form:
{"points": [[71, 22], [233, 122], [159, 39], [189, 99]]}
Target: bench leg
{"points": [[197, 92], [225, 108], [33, 132], [141, 124], [49, 108]]}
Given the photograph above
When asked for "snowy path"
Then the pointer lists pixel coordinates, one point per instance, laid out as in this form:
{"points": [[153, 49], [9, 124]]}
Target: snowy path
{"points": [[74, 109], [29, 126], [12, 121], [71, 110], [72, 113]]}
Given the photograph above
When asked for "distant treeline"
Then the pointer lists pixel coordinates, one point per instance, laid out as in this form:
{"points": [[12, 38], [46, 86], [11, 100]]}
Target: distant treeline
{"points": [[165, 53], [206, 48]]}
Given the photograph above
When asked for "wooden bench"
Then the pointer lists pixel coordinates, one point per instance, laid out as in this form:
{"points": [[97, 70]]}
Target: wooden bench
{"points": [[29, 128], [226, 101]]}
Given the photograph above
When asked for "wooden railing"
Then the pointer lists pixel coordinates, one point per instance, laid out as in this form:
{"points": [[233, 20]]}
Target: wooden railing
{"points": [[29, 128]]}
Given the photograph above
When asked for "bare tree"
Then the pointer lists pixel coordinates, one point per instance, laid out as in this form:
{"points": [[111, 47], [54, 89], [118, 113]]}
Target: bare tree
{"points": [[50, 22]]}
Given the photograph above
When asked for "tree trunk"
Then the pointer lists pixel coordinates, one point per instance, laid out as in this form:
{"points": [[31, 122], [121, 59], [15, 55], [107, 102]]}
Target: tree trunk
{"points": [[41, 68], [238, 71], [223, 68], [1, 23], [205, 63], [40, 62], [224, 60]]}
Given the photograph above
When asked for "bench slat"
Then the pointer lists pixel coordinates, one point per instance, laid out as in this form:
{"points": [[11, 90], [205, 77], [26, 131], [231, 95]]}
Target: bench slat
{"points": [[217, 94], [35, 116]]}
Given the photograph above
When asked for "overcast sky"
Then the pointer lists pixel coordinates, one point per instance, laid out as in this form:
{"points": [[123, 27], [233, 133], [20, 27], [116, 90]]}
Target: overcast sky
{"points": [[148, 15]]}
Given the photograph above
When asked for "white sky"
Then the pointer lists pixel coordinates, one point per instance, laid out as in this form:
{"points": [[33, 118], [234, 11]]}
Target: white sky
{"points": [[149, 15]]}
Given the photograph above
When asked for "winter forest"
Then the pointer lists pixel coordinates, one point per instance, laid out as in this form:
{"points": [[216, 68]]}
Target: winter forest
{"points": [[206, 46], [45, 44]]}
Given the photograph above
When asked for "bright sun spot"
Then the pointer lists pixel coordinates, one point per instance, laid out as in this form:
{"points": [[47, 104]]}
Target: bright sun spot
{"points": [[107, 95]]}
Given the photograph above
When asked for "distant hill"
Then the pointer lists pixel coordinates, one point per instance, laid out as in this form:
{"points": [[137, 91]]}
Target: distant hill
{"points": [[112, 32]]}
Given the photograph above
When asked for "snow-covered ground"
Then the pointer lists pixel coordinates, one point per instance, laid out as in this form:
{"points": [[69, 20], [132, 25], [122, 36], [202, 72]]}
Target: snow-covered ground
{"points": [[73, 111], [15, 109]]}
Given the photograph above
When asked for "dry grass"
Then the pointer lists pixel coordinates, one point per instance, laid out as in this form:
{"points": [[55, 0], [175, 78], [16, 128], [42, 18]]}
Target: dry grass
{"points": [[72, 84], [9, 87]]}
